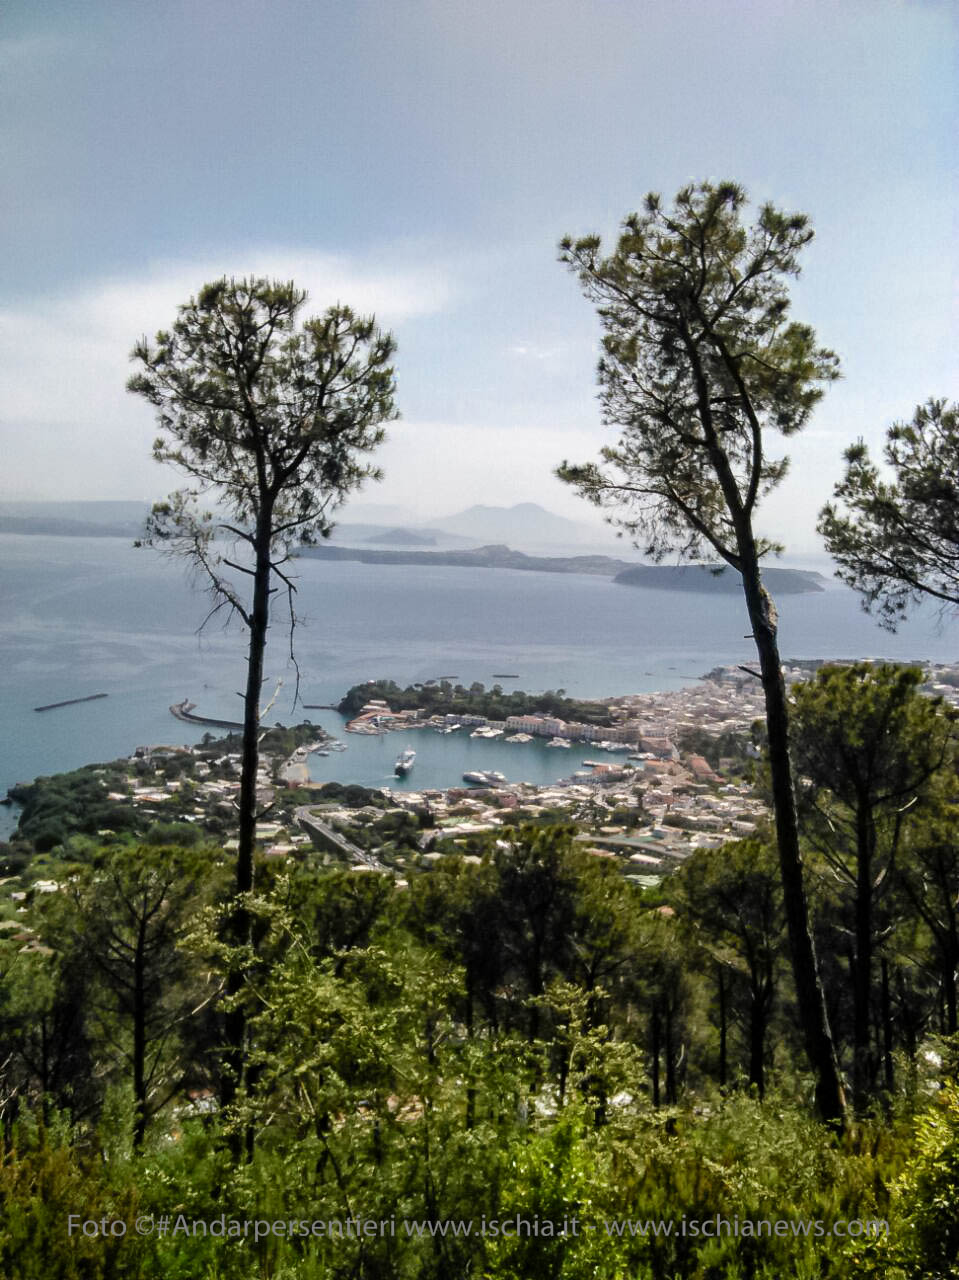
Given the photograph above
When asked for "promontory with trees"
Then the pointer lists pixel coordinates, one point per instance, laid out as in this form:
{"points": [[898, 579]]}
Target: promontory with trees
{"points": [[504, 1028], [443, 697]]}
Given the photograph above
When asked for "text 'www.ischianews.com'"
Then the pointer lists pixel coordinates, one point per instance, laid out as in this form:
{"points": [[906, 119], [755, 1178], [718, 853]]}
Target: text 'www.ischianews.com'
{"points": [[517, 1226]]}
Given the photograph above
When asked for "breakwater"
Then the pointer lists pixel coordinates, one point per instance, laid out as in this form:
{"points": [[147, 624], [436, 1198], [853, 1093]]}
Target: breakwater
{"points": [[70, 702], [184, 711]]}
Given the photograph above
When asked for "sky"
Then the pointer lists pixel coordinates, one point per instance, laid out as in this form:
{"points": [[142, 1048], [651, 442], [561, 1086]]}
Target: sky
{"points": [[421, 159]]}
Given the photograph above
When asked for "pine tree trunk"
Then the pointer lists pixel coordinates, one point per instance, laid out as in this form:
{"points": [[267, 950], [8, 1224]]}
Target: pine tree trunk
{"points": [[863, 1069], [655, 1055], [820, 1049], [236, 1022], [757, 1040], [139, 1038], [949, 980], [670, 1058], [887, 1029], [723, 1067]]}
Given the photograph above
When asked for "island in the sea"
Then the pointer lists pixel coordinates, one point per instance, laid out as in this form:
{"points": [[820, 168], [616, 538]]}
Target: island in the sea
{"points": [[687, 577]]}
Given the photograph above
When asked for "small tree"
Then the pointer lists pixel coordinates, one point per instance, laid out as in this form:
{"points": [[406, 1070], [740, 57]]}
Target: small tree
{"points": [[931, 880], [272, 420], [731, 897], [123, 924], [897, 541], [868, 745], [700, 362]]}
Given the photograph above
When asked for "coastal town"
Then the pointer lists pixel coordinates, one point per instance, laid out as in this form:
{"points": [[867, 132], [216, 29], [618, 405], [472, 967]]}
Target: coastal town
{"points": [[679, 773]]}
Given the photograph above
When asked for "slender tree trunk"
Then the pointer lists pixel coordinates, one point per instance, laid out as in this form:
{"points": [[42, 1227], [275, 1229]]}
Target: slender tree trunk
{"points": [[260, 619], [820, 1049], [139, 1039], [236, 1021], [949, 981], [757, 1039], [45, 1067], [887, 1028], [655, 1054], [862, 972], [723, 1063], [670, 1058]]}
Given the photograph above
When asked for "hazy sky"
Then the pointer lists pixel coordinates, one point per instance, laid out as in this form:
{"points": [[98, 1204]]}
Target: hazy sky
{"points": [[421, 158]]}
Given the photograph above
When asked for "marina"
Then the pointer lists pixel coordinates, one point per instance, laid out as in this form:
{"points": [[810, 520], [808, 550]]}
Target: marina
{"points": [[442, 758]]}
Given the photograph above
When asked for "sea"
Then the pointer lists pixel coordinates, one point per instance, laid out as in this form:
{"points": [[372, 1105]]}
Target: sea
{"points": [[81, 616]]}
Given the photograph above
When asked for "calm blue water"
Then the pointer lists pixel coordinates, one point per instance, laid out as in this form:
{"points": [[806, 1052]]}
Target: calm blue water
{"points": [[82, 616], [442, 759]]}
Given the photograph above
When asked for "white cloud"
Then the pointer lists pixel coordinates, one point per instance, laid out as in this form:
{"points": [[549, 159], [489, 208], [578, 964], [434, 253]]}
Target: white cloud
{"points": [[69, 426], [552, 354]]}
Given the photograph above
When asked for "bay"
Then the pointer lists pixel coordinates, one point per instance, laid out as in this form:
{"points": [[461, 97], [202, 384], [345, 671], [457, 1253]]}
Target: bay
{"points": [[81, 616]]}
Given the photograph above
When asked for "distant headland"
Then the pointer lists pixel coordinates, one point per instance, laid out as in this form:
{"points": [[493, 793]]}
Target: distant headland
{"points": [[693, 577]]}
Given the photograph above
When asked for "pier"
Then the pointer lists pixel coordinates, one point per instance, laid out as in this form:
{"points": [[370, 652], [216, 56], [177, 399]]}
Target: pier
{"points": [[184, 711], [71, 702]]}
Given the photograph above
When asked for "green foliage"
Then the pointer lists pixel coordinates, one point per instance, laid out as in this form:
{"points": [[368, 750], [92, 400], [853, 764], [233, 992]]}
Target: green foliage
{"points": [[930, 1191], [444, 698], [873, 755], [186, 835], [731, 898], [236, 379], [351, 795], [897, 542], [54, 808], [714, 747], [489, 1042], [699, 359]]}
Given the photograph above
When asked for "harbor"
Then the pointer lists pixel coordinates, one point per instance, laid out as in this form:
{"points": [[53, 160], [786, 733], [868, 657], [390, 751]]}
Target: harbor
{"points": [[442, 757]]}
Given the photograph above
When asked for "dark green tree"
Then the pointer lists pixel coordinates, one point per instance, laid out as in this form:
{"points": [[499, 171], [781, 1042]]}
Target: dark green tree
{"points": [[123, 923], [930, 874], [731, 897], [896, 541], [701, 365], [45, 1017], [273, 419], [536, 887], [868, 745]]}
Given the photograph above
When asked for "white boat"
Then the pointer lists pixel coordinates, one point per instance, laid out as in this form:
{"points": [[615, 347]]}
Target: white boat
{"points": [[405, 763], [484, 778], [559, 742]]}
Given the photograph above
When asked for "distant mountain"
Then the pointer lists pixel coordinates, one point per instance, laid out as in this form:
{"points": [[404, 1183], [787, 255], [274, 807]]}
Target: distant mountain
{"points": [[74, 519], [403, 538], [526, 522], [359, 535], [83, 512]]}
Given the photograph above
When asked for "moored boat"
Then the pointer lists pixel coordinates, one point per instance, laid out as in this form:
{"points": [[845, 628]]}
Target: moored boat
{"points": [[485, 778]]}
